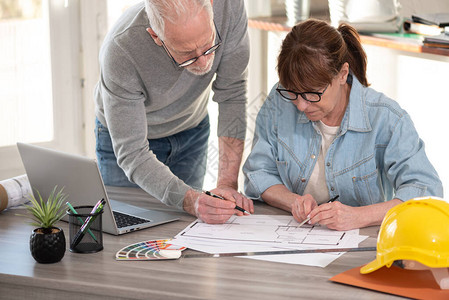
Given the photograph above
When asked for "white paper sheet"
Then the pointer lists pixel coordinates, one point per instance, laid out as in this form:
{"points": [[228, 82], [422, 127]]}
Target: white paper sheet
{"points": [[258, 233]]}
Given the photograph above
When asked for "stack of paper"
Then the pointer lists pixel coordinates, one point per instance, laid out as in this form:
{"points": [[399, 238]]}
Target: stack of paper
{"points": [[260, 233]]}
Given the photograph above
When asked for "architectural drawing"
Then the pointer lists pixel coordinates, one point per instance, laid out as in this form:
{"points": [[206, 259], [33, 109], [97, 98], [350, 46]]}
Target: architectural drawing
{"points": [[273, 230]]}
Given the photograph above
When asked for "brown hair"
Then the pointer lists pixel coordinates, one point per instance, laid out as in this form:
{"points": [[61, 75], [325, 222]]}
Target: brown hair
{"points": [[313, 53]]}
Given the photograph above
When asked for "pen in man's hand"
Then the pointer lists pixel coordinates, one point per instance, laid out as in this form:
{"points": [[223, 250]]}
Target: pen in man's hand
{"points": [[308, 219], [220, 197]]}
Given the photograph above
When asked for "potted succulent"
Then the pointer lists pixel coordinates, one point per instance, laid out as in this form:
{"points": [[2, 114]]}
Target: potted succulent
{"points": [[47, 242]]}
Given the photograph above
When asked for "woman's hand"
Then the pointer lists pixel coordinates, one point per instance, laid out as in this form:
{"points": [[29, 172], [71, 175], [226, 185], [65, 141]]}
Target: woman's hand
{"points": [[336, 216], [339, 216], [302, 207]]}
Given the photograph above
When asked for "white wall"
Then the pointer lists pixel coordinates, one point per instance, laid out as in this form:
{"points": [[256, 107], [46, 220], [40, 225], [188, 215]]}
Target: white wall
{"points": [[409, 7], [419, 83]]}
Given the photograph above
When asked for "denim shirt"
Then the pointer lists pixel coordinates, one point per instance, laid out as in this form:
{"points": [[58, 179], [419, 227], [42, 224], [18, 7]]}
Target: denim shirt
{"points": [[376, 156]]}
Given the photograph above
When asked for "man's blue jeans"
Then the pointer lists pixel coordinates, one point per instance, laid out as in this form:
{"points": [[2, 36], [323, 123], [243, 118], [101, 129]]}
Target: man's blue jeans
{"points": [[185, 153]]}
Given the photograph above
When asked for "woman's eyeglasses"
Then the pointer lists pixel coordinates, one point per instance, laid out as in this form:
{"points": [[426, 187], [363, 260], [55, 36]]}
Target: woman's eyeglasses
{"points": [[308, 96]]}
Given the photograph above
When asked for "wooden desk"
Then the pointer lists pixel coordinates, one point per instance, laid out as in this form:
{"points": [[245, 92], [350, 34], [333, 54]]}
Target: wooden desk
{"points": [[100, 276]]}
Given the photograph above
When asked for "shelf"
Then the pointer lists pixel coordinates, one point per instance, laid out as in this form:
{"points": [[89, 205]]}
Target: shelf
{"points": [[404, 42]]}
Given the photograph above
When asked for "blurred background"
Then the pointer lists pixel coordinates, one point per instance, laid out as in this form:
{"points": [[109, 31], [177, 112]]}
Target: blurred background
{"points": [[49, 68]]}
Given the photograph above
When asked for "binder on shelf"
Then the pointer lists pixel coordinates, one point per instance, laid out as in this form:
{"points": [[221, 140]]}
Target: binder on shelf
{"points": [[438, 19]]}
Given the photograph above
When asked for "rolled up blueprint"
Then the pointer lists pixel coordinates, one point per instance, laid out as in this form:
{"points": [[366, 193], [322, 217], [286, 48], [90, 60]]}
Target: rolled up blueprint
{"points": [[14, 191]]}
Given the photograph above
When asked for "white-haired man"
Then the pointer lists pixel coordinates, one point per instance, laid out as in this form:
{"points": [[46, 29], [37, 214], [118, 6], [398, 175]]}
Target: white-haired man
{"points": [[158, 65]]}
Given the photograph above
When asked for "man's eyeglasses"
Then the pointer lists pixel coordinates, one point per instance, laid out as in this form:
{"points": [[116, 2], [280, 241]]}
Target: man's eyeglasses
{"points": [[194, 59], [308, 96]]}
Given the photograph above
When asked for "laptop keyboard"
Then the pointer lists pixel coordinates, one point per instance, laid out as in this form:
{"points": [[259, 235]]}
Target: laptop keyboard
{"points": [[124, 220]]}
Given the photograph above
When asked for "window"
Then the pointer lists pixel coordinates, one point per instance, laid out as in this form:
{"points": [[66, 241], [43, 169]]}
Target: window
{"points": [[25, 72], [40, 86]]}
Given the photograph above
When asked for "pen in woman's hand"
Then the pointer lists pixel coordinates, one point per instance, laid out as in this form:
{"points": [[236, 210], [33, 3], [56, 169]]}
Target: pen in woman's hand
{"points": [[308, 219], [333, 199], [220, 197]]}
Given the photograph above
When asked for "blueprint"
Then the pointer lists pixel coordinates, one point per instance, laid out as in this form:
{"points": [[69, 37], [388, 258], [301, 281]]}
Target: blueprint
{"points": [[274, 230], [260, 233]]}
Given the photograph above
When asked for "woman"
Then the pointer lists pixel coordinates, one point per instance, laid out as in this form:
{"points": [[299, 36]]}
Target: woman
{"points": [[322, 132]]}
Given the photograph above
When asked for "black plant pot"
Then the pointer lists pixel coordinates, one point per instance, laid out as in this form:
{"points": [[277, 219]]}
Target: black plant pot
{"points": [[47, 247]]}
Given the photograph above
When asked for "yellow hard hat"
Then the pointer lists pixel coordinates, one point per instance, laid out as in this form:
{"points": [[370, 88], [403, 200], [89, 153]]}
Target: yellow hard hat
{"points": [[417, 229]]}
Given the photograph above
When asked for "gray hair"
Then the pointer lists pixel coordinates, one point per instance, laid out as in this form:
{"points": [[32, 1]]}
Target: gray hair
{"points": [[159, 11]]}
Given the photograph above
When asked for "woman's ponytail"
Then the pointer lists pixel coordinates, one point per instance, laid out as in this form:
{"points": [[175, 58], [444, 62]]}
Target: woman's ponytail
{"points": [[356, 55]]}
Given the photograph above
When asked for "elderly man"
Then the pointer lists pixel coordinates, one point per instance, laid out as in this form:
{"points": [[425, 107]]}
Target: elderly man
{"points": [[158, 65]]}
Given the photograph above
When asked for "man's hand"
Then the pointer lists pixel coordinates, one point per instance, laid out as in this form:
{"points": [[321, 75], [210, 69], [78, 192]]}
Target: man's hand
{"points": [[231, 194], [210, 209]]}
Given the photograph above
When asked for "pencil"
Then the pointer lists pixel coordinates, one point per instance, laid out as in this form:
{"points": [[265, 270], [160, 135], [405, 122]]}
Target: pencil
{"points": [[308, 219], [220, 197]]}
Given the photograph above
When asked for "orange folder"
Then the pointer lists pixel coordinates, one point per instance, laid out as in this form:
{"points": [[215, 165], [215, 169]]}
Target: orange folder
{"points": [[394, 280]]}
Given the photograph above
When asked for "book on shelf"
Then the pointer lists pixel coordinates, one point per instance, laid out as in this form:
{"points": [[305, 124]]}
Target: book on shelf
{"points": [[436, 45], [440, 41], [406, 38]]}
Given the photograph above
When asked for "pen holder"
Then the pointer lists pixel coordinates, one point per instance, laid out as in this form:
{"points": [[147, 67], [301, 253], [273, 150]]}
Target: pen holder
{"points": [[89, 240]]}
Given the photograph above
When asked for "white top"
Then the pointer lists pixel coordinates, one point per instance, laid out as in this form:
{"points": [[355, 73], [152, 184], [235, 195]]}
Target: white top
{"points": [[317, 186]]}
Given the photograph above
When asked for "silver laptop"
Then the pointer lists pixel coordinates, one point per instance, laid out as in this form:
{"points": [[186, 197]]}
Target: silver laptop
{"points": [[83, 184]]}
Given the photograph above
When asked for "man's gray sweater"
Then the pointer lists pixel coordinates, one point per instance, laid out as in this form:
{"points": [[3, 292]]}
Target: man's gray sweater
{"points": [[142, 95]]}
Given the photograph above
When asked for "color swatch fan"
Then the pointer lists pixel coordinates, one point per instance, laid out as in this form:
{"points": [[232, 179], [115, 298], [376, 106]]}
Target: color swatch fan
{"points": [[150, 250]]}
